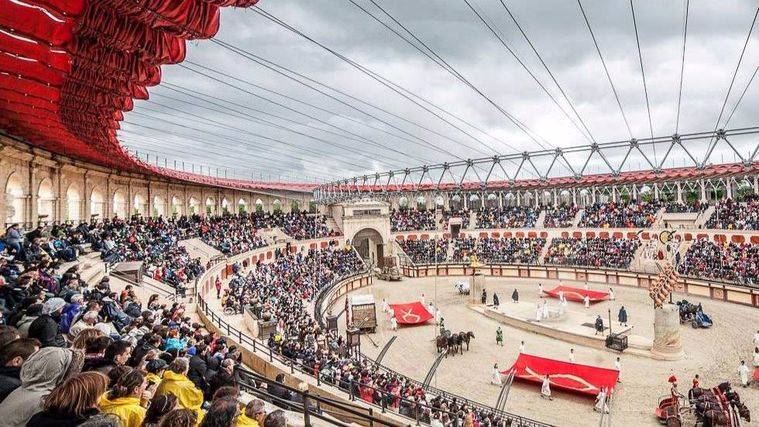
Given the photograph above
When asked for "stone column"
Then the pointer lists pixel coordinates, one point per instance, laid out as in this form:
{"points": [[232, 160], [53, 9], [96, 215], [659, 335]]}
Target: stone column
{"points": [[87, 202], [667, 343], [31, 200]]}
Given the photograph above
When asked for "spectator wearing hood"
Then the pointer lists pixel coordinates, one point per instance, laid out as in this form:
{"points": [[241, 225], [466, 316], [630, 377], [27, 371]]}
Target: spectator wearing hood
{"points": [[45, 327], [175, 381], [40, 374], [155, 368], [12, 357], [71, 313]]}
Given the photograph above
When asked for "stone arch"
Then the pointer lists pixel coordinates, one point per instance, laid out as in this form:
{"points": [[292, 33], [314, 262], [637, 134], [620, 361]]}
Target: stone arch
{"points": [[73, 203], [120, 204], [242, 205], [159, 206], [294, 206], [15, 210], [421, 202], [210, 206], [97, 203], [140, 204], [193, 206], [226, 206], [259, 205], [176, 206], [456, 202], [45, 200], [276, 206], [491, 200], [439, 201], [370, 245]]}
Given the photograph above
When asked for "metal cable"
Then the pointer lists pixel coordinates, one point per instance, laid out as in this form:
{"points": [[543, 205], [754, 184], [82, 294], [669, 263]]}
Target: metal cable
{"points": [[606, 70], [643, 73], [682, 65]]}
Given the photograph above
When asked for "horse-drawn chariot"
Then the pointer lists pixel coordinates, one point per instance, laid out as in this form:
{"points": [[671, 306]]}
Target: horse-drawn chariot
{"points": [[693, 314], [718, 406]]}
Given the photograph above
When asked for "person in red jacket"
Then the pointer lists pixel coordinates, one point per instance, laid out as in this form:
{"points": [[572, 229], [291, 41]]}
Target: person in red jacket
{"points": [[218, 288]]}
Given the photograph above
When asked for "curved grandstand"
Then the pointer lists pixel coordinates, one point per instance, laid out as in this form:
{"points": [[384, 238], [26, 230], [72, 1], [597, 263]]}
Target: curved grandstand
{"points": [[241, 232]]}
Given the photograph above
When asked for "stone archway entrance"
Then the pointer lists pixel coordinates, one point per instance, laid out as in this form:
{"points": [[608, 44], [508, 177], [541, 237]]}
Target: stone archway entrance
{"points": [[370, 245]]}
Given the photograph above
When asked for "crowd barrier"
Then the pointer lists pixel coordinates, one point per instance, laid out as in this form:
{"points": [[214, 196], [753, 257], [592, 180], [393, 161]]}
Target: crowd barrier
{"points": [[728, 292]]}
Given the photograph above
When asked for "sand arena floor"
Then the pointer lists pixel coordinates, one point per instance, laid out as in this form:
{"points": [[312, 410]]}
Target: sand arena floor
{"points": [[713, 353]]}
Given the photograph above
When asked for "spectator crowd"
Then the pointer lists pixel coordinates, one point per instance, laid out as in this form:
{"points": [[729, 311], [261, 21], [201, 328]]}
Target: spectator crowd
{"points": [[410, 219], [620, 214], [733, 262], [426, 251], [562, 216], [592, 252], [507, 217], [506, 250], [75, 354], [731, 215]]}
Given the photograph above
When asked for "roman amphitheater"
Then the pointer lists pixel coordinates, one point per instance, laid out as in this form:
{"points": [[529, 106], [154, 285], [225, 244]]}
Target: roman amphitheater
{"points": [[229, 213]]}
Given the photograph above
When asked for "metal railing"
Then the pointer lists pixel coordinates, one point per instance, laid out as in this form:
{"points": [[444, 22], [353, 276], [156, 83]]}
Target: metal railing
{"points": [[310, 405]]}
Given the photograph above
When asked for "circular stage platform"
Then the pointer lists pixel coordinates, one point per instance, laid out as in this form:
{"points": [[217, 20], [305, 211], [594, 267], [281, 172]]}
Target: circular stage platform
{"points": [[713, 353]]}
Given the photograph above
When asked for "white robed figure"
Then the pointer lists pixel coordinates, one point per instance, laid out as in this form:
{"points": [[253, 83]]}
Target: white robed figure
{"points": [[545, 309], [586, 301], [540, 289], [438, 315], [545, 389], [495, 376], [422, 299], [743, 373], [431, 308], [538, 312], [561, 296], [393, 323], [385, 306], [601, 404]]}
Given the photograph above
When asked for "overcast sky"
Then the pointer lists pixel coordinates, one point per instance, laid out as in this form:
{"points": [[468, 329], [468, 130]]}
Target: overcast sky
{"points": [[256, 123]]}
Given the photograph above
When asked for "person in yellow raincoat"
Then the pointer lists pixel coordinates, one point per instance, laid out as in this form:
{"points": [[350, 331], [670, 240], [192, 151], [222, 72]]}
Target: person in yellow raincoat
{"points": [[253, 415], [124, 400], [155, 368], [175, 381]]}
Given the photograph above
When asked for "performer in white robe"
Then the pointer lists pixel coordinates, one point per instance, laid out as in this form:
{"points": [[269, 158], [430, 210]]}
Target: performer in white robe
{"points": [[601, 404], [438, 315], [587, 287], [431, 308], [545, 309], [586, 301], [561, 296], [422, 299], [393, 323], [521, 347], [611, 294], [385, 306], [538, 312], [540, 289], [545, 389], [495, 376], [743, 373]]}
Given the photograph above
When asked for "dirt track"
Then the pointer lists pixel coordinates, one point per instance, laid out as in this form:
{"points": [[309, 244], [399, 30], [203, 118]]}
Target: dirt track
{"points": [[714, 354]]}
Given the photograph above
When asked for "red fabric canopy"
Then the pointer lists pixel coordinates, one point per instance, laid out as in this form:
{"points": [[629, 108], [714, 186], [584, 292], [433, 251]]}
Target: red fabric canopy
{"points": [[578, 294], [69, 68], [412, 313], [583, 379]]}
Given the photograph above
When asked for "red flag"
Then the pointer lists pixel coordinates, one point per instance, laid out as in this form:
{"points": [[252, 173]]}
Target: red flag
{"points": [[584, 379], [578, 294], [412, 313]]}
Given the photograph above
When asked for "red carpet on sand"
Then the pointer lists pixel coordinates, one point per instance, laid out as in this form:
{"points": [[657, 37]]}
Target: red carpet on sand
{"points": [[583, 379], [413, 313], [578, 294]]}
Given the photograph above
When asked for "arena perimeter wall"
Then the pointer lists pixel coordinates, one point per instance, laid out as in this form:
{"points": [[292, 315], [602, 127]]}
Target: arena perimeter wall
{"points": [[711, 289]]}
